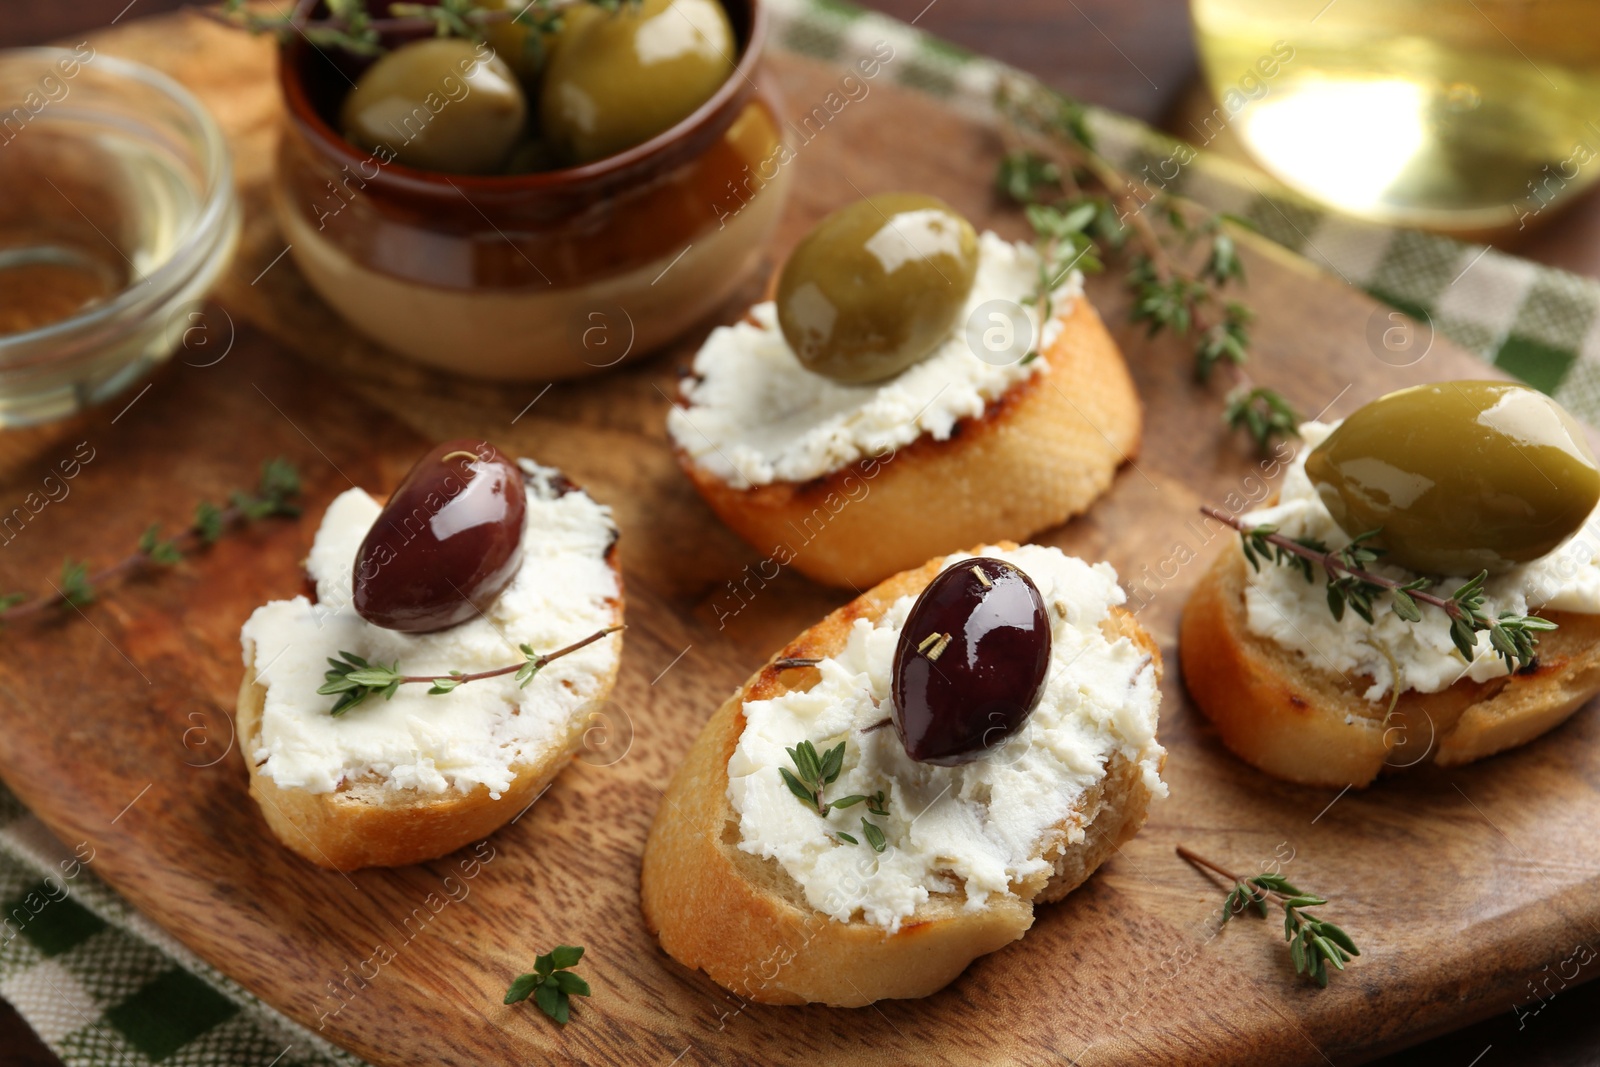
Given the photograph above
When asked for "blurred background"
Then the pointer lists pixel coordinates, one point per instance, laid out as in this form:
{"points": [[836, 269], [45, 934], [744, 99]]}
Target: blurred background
{"points": [[1388, 151]]}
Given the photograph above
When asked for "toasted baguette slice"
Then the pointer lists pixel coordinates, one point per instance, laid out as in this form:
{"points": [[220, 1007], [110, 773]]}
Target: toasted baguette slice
{"points": [[1038, 456], [744, 921], [1279, 712], [365, 823]]}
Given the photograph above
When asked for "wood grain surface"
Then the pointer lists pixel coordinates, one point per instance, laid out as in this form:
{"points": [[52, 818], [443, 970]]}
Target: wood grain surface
{"points": [[1467, 889]]}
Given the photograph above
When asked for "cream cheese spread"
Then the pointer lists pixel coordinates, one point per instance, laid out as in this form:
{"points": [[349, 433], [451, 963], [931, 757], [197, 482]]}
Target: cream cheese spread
{"points": [[755, 416], [1283, 606], [972, 831], [476, 735]]}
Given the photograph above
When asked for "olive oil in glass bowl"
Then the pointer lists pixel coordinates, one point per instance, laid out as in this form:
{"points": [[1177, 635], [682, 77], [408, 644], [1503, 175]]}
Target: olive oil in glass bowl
{"points": [[1466, 117], [117, 213]]}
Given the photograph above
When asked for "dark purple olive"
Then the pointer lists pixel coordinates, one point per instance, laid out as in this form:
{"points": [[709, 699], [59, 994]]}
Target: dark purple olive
{"points": [[448, 542], [971, 662]]}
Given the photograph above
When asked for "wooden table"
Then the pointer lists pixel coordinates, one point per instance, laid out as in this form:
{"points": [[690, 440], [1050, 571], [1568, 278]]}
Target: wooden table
{"points": [[1136, 57]]}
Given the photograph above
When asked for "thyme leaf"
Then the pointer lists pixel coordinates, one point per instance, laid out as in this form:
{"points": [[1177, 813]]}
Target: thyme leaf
{"points": [[351, 679], [349, 27], [813, 774], [1084, 210], [551, 983], [1314, 943], [76, 585], [1514, 638]]}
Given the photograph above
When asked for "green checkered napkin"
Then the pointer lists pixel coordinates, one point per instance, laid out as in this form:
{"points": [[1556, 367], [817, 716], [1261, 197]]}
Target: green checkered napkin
{"points": [[103, 985]]}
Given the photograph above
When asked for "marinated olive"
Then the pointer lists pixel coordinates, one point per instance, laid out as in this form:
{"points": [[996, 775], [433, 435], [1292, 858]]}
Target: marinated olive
{"points": [[512, 40], [448, 542], [1461, 476], [446, 103], [971, 662], [876, 286], [616, 80]]}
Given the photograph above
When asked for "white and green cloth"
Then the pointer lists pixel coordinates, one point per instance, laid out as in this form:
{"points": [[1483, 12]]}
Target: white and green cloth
{"points": [[102, 985]]}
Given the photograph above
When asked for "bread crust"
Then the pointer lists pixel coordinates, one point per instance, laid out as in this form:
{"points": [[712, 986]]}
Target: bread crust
{"points": [[1036, 457], [745, 922], [361, 824], [1279, 712]]}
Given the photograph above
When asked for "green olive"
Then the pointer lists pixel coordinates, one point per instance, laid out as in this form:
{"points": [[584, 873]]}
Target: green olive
{"points": [[512, 41], [876, 286], [1461, 476], [446, 103], [616, 80]]}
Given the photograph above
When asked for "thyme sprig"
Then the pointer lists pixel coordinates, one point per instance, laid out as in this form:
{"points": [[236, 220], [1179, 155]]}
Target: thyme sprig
{"points": [[813, 774], [352, 679], [350, 27], [551, 983], [1083, 209], [1064, 244], [1313, 942], [1513, 637], [76, 585]]}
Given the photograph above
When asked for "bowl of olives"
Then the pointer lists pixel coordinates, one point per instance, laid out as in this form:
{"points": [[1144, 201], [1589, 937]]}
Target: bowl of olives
{"points": [[530, 191]]}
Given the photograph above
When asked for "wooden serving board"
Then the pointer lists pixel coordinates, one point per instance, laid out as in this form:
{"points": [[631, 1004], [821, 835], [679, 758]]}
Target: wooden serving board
{"points": [[1467, 889]]}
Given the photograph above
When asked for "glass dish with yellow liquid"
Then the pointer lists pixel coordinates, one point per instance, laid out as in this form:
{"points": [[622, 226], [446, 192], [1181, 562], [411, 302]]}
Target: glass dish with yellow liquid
{"points": [[117, 214], [1470, 116]]}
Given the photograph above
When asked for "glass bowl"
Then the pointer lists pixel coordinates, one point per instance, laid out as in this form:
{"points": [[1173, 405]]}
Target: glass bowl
{"points": [[117, 213], [533, 277]]}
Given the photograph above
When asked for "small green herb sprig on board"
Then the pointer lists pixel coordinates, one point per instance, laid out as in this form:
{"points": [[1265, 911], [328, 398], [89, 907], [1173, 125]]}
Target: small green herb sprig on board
{"points": [[813, 774], [551, 983], [1313, 943], [1513, 637], [352, 679], [350, 27], [1085, 211], [76, 585]]}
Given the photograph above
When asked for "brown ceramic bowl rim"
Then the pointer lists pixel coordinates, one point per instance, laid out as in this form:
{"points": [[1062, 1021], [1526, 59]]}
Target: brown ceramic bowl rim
{"points": [[738, 86]]}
